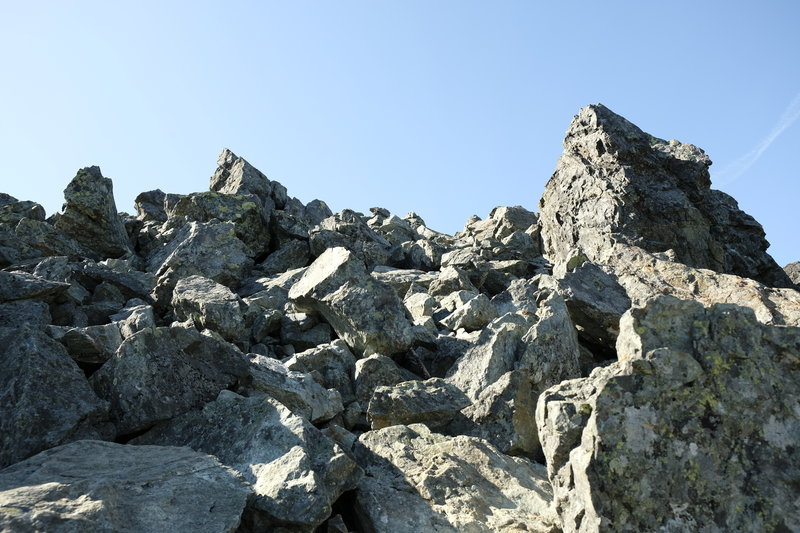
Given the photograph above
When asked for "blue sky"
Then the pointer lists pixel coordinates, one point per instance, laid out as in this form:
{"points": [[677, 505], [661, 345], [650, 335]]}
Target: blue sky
{"points": [[447, 108]]}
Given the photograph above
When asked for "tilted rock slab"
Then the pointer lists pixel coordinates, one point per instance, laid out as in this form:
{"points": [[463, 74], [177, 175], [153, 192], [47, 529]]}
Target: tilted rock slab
{"points": [[45, 399], [296, 472], [366, 313], [695, 428], [102, 486], [421, 481], [615, 184]]}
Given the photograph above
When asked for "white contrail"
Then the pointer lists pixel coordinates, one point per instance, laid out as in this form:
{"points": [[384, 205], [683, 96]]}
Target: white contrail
{"points": [[734, 170]]}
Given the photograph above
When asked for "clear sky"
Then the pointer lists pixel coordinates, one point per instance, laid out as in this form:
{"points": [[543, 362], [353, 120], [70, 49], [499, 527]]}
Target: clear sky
{"points": [[447, 108]]}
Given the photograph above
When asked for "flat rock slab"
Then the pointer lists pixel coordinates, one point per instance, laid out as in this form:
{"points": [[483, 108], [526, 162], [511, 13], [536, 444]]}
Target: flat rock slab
{"points": [[421, 481], [102, 486]]}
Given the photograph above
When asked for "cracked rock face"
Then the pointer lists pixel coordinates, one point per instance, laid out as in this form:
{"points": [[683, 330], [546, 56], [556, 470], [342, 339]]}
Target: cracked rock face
{"points": [[685, 431], [615, 184]]}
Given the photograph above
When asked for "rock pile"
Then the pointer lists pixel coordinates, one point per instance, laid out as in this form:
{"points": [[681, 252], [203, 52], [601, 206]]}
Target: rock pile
{"points": [[236, 360]]}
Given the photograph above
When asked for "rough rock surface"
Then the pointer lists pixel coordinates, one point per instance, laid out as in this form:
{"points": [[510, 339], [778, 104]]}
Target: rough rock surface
{"points": [[675, 436], [44, 398], [101, 486], [793, 271], [90, 216], [295, 471], [243, 323], [416, 480], [209, 304], [163, 372], [615, 184], [367, 314]]}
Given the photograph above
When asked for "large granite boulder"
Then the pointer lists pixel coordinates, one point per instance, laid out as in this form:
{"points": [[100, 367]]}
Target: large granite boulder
{"points": [[209, 304], [90, 216], [234, 175], [366, 313], [417, 480], [695, 428], [101, 486], [615, 184], [45, 399], [296, 472]]}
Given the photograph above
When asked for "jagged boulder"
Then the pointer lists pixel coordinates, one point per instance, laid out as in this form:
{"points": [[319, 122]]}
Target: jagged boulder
{"points": [[333, 363], [615, 184], [209, 304], [21, 313], [45, 399], [348, 230], [209, 249], [160, 373], [90, 216], [417, 480], [367, 314], [793, 271], [296, 472], [675, 435], [234, 175], [102, 486]]}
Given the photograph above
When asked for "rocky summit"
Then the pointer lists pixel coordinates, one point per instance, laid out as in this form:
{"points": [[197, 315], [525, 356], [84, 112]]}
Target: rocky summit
{"points": [[627, 359]]}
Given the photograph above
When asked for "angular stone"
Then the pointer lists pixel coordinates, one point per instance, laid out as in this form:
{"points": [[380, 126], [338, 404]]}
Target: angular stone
{"points": [[421, 481], [375, 371], [348, 230], [793, 271], [677, 426], [149, 206], [234, 175], [92, 344], [450, 279], [365, 313], [295, 471], [615, 184], [90, 216], [250, 219], [296, 390], [333, 363], [22, 286], [208, 249], [159, 373], [497, 349], [210, 305], [134, 317], [432, 402], [292, 254], [45, 399], [473, 315], [102, 486], [401, 279]]}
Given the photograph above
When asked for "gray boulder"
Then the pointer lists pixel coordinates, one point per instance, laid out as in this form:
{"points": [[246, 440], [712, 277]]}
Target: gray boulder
{"points": [[365, 313], [101, 486], [432, 402], [615, 184], [24, 286], [677, 427], [210, 305], [91, 344], [793, 271], [90, 216], [472, 315], [333, 363], [376, 371], [208, 249], [295, 471], [45, 399], [421, 481], [159, 373], [234, 175], [296, 390], [348, 230]]}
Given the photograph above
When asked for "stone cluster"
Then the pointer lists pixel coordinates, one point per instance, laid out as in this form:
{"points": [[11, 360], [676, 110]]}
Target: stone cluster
{"points": [[234, 360]]}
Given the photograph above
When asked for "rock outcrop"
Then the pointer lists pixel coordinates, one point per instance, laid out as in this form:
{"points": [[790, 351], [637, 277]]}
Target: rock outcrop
{"points": [[237, 360]]}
